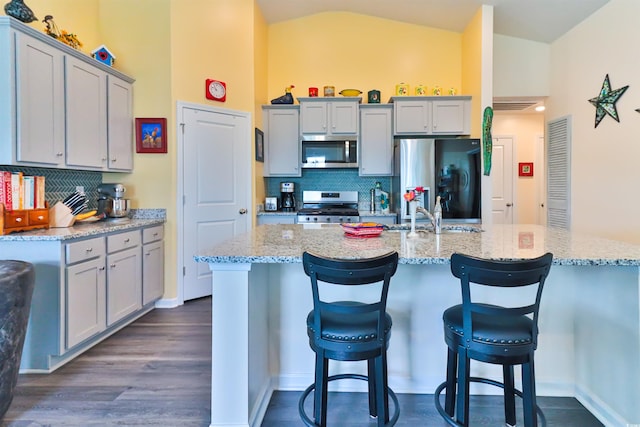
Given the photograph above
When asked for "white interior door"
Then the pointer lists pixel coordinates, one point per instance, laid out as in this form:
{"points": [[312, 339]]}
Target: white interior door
{"points": [[216, 189], [502, 180]]}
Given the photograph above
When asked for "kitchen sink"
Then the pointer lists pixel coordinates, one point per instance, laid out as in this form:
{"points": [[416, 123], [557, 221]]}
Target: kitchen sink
{"points": [[446, 229]]}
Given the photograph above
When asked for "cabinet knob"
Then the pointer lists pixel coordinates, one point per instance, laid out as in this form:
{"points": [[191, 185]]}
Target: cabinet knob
{"points": [[155, 234], [112, 266], [59, 154], [104, 159], [126, 240], [509, 205], [89, 249], [114, 160], [40, 217], [148, 253], [101, 269], [18, 219]]}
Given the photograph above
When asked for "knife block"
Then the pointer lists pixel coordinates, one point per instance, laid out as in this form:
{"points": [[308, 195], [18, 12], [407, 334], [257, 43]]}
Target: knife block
{"points": [[60, 216]]}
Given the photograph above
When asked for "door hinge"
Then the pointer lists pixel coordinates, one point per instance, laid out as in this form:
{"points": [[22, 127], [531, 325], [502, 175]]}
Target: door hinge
{"points": [[184, 270], [184, 200], [182, 127]]}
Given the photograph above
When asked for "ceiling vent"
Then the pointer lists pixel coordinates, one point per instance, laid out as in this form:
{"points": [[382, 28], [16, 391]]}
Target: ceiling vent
{"points": [[513, 105]]}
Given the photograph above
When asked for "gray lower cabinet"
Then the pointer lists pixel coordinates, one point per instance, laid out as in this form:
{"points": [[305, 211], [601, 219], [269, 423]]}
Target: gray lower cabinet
{"points": [[124, 275], [152, 264], [86, 289]]}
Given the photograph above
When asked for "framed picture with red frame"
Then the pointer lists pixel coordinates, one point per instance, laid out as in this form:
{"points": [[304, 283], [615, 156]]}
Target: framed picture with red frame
{"points": [[151, 135], [525, 169]]}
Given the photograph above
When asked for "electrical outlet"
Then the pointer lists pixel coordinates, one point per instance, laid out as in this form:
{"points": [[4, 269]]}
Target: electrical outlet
{"points": [[80, 189]]}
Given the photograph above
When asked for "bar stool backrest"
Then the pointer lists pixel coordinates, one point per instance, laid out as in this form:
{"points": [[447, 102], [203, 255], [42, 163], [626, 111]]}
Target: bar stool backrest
{"points": [[509, 274], [350, 272]]}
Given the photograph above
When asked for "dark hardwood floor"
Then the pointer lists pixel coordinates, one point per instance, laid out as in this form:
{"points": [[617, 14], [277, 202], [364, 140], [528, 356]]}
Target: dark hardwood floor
{"points": [[156, 372]]}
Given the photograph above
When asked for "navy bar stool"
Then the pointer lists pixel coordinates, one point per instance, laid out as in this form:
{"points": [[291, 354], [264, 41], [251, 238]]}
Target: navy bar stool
{"points": [[494, 334], [350, 331]]}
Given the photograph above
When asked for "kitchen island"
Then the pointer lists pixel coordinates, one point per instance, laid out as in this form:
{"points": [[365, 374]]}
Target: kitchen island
{"points": [[589, 344]]}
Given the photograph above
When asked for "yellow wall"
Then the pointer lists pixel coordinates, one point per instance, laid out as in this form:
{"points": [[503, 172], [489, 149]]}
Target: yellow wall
{"points": [[260, 88], [471, 70], [75, 17], [347, 50]]}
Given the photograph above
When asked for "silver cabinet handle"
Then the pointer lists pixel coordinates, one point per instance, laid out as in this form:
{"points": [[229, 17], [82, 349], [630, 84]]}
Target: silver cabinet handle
{"points": [[112, 265], [101, 269], [59, 154], [89, 250], [126, 240], [242, 211]]}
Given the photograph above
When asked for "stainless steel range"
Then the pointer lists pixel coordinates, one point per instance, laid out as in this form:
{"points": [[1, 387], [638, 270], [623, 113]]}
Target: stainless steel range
{"points": [[326, 207]]}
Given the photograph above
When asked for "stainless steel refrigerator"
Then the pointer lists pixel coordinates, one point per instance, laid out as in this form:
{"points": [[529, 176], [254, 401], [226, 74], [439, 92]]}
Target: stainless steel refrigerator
{"points": [[445, 167]]}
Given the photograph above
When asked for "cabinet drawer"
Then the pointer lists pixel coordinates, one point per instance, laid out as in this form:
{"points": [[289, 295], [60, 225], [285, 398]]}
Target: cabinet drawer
{"points": [[16, 219], [118, 242], [38, 217], [85, 249], [152, 234]]}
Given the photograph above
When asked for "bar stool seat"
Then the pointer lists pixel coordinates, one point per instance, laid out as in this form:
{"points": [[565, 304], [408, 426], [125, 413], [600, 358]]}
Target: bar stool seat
{"points": [[350, 330], [492, 334]]}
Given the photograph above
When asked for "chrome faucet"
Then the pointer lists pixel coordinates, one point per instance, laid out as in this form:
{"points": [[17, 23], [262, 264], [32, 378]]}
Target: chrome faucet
{"points": [[426, 213]]}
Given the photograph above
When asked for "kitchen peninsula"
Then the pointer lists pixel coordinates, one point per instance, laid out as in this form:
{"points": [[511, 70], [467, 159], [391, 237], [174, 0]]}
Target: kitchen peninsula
{"points": [[589, 321]]}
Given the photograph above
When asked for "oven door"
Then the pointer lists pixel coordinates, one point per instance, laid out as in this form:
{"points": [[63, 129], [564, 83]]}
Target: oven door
{"points": [[329, 153]]}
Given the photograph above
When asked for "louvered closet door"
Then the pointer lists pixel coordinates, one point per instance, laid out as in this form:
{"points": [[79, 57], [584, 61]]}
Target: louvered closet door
{"points": [[559, 173]]}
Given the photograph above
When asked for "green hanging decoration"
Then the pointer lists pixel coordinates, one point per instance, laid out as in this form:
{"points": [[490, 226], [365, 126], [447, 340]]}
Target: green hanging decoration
{"points": [[487, 141]]}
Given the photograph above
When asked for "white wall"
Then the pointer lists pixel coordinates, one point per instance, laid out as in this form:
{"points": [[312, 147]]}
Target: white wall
{"points": [[605, 170], [520, 67]]}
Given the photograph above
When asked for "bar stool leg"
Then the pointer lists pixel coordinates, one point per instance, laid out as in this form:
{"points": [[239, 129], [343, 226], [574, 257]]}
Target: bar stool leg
{"points": [[450, 392], [371, 374], [462, 401], [509, 396], [383, 389], [320, 392], [529, 394]]}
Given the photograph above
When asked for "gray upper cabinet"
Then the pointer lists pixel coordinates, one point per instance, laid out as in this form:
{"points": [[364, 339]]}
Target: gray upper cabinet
{"points": [[282, 140], [432, 115], [59, 107], [336, 117], [376, 140]]}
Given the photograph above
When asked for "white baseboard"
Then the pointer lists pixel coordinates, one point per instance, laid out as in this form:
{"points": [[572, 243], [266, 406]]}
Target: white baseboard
{"points": [[261, 403], [603, 412]]}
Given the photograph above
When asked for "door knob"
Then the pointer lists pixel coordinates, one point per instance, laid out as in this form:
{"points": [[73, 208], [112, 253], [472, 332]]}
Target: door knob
{"points": [[242, 211]]}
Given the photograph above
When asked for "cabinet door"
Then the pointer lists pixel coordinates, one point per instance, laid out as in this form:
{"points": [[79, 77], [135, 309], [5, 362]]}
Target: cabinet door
{"points": [[282, 144], [344, 118], [124, 284], [120, 124], [39, 102], [412, 117], [449, 117], [313, 118], [85, 301], [86, 90], [152, 272], [376, 141]]}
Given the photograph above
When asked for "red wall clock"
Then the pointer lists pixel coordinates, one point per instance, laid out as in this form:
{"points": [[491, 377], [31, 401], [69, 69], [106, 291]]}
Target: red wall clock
{"points": [[216, 90]]}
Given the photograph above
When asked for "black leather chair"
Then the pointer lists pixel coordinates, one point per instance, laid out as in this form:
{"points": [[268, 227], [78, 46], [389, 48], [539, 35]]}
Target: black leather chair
{"points": [[494, 334], [350, 331]]}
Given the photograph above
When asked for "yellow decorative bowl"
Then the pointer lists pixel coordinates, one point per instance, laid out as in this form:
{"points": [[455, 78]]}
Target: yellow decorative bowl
{"points": [[350, 92]]}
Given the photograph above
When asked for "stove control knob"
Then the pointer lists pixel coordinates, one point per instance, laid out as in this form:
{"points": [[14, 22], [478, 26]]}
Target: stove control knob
{"points": [[328, 219], [315, 218]]}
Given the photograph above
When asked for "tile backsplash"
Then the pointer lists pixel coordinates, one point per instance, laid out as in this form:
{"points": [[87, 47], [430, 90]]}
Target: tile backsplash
{"points": [[332, 180], [59, 183]]}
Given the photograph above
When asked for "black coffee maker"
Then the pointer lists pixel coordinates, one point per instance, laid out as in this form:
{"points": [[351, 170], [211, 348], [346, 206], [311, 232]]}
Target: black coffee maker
{"points": [[288, 202]]}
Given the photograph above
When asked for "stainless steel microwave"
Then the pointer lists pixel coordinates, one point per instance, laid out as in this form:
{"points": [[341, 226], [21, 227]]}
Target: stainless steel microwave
{"points": [[323, 152]]}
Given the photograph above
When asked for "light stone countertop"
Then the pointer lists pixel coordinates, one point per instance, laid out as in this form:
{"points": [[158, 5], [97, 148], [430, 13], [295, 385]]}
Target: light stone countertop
{"points": [[285, 244], [140, 218]]}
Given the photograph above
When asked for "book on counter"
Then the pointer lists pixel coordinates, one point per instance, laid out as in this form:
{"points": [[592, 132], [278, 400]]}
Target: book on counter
{"points": [[19, 191]]}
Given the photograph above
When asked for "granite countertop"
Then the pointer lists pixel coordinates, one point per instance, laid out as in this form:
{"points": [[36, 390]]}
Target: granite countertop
{"points": [[139, 218], [285, 244]]}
